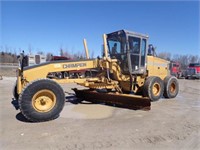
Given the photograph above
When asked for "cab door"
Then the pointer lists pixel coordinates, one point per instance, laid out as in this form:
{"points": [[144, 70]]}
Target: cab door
{"points": [[137, 55]]}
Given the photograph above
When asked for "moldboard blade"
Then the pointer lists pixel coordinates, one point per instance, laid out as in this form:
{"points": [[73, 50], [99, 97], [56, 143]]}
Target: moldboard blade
{"points": [[123, 100]]}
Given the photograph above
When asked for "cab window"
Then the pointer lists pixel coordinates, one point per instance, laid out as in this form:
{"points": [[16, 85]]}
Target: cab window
{"points": [[114, 47], [134, 45], [143, 52]]}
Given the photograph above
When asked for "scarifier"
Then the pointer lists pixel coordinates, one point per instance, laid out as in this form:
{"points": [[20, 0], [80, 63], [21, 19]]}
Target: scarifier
{"points": [[125, 75]]}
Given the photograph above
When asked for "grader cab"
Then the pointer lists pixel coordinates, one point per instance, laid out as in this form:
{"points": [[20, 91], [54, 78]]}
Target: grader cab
{"points": [[125, 75]]}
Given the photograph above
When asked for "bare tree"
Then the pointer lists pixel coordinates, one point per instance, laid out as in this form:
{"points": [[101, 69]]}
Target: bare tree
{"points": [[78, 55], [61, 52], [164, 55], [92, 54], [40, 52], [184, 60], [193, 59], [66, 54], [30, 49]]}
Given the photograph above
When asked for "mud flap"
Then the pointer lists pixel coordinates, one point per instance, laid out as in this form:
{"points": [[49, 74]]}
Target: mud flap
{"points": [[122, 100]]}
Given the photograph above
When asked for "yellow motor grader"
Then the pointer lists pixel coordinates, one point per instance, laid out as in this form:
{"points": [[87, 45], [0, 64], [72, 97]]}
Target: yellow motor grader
{"points": [[126, 74]]}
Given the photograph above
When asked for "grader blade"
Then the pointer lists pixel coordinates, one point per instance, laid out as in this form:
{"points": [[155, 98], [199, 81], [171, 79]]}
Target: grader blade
{"points": [[122, 100]]}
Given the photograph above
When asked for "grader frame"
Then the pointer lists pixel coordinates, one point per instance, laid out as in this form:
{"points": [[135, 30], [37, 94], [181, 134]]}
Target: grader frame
{"points": [[129, 77]]}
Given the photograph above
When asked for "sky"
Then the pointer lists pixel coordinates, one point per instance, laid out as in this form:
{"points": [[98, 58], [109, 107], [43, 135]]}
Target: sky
{"points": [[172, 26]]}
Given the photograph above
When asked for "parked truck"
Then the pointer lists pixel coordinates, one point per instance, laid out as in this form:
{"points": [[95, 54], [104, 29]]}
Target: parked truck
{"points": [[175, 69], [193, 71]]}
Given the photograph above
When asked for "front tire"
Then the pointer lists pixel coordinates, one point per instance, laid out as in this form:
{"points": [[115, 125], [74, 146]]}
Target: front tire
{"points": [[42, 100], [171, 87], [15, 94], [153, 88]]}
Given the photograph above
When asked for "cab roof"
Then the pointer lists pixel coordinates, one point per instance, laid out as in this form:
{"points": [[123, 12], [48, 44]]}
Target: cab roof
{"points": [[130, 33]]}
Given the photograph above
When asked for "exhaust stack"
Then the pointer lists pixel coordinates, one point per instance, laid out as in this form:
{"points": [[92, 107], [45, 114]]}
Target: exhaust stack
{"points": [[86, 49], [105, 46]]}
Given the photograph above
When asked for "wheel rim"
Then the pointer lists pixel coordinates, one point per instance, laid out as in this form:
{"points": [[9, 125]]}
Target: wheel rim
{"points": [[44, 100], [156, 89], [172, 87]]}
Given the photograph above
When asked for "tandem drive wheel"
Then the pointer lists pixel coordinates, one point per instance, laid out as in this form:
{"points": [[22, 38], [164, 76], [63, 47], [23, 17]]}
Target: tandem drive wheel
{"points": [[171, 87], [153, 88], [42, 100]]}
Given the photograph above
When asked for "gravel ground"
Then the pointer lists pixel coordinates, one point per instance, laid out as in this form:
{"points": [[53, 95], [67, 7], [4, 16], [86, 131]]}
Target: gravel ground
{"points": [[170, 124]]}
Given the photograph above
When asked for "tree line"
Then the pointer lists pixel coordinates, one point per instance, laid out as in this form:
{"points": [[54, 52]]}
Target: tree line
{"points": [[184, 60], [6, 56]]}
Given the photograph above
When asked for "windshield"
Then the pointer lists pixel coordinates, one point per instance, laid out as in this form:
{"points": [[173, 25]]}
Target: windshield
{"points": [[194, 65], [117, 49], [116, 43]]}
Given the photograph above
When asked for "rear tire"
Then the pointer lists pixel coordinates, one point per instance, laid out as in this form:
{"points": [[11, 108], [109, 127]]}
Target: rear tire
{"points": [[171, 87], [153, 88], [42, 100]]}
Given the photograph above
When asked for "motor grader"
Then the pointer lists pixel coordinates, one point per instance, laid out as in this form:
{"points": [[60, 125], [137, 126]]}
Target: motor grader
{"points": [[125, 75]]}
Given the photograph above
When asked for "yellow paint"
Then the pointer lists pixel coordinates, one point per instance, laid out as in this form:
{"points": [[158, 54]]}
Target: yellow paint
{"points": [[157, 67]]}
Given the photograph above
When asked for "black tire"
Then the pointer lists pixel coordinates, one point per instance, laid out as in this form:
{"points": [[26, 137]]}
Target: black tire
{"points": [[42, 100], [15, 94], [171, 87], [65, 74], [59, 75], [153, 88], [88, 74]]}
